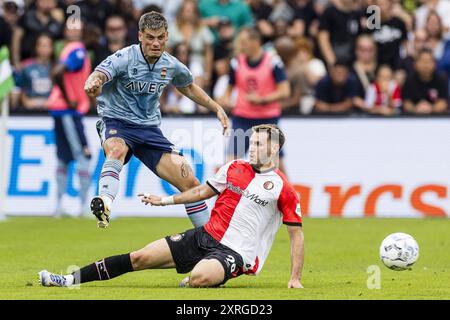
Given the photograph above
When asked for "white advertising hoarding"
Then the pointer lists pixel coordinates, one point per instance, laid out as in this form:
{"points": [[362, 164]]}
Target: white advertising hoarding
{"points": [[340, 167]]}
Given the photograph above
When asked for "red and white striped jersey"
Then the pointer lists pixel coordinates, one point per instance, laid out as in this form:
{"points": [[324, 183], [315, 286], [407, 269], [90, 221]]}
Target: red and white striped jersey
{"points": [[249, 210]]}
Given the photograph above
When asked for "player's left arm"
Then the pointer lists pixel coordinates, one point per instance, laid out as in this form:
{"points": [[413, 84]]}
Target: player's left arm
{"points": [[196, 94], [297, 254], [289, 206]]}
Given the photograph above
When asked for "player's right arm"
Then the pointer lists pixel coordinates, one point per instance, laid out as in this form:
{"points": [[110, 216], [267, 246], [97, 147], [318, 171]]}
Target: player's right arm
{"points": [[297, 254], [93, 85], [214, 186], [112, 67], [195, 194], [289, 206]]}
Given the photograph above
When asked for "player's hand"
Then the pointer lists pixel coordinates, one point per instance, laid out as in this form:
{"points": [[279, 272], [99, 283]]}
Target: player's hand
{"points": [[295, 283], [93, 88], [150, 199], [223, 118]]}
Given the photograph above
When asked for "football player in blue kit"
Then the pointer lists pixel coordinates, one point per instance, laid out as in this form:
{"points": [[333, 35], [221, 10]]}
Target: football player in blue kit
{"points": [[128, 85]]}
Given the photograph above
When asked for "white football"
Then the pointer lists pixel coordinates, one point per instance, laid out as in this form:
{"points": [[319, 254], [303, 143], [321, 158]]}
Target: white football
{"points": [[399, 251]]}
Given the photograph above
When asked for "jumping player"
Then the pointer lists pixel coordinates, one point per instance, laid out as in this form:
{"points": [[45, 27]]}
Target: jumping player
{"points": [[254, 199], [128, 85]]}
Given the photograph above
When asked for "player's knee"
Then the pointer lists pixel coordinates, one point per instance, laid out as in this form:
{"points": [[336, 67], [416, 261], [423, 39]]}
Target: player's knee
{"points": [[198, 280], [138, 260], [116, 148], [190, 183]]}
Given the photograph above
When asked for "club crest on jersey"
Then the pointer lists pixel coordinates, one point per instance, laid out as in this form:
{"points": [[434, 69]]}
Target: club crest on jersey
{"points": [[134, 71], [163, 73], [112, 131], [268, 185], [176, 237]]}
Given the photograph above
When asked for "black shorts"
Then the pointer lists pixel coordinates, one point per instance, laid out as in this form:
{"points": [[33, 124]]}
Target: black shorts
{"points": [[193, 245]]}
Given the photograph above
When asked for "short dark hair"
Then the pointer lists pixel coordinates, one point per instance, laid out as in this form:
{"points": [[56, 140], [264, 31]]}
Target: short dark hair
{"points": [[273, 133], [153, 21], [341, 63], [424, 51]]}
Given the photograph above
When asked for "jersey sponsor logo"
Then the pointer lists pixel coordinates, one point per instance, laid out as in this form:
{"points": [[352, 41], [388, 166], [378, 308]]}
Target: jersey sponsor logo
{"points": [[268, 185], [144, 86], [177, 237], [245, 193]]}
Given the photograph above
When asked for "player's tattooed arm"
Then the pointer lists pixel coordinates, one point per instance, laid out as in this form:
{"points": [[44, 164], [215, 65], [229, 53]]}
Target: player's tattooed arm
{"points": [[93, 85], [196, 94], [297, 253]]}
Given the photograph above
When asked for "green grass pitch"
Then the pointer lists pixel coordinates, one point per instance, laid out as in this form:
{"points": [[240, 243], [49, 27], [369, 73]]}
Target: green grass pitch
{"points": [[337, 255]]}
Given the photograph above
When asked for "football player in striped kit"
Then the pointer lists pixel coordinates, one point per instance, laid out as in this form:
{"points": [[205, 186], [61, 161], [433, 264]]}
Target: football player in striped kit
{"points": [[254, 199]]}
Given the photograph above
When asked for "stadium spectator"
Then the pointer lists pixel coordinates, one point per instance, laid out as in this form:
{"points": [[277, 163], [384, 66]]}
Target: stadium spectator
{"points": [[364, 67], [261, 11], [334, 92], [68, 103], [435, 35], [34, 76], [173, 101], [115, 38], [338, 29], [442, 7], [226, 47], [298, 14], [399, 11], [236, 11], [222, 71], [261, 83], [287, 50], [189, 29], [168, 7], [95, 12], [391, 37], [383, 97], [312, 70], [11, 11], [419, 42], [46, 17], [425, 92]]}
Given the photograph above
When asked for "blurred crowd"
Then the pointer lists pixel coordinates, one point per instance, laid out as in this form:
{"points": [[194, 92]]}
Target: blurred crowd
{"points": [[383, 57]]}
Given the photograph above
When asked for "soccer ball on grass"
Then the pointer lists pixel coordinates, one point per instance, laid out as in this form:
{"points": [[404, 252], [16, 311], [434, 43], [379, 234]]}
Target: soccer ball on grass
{"points": [[399, 251]]}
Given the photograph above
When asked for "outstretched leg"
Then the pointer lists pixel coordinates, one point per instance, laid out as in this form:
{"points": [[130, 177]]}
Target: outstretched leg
{"points": [[156, 255], [176, 170]]}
